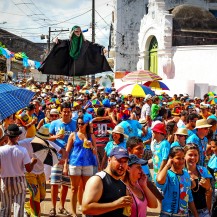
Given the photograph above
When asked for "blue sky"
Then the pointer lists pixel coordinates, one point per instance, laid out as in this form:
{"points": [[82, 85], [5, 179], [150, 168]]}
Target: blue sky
{"points": [[32, 18]]}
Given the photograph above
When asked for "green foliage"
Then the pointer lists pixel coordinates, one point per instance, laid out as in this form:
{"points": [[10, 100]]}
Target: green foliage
{"points": [[2, 45]]}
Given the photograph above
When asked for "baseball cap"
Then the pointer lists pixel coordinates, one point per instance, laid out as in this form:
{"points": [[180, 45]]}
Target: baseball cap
{"points": [[119, 153], [133, 159]]}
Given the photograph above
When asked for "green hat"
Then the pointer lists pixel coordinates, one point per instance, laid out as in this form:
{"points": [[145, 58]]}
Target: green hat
{"points": [[75, 27]]}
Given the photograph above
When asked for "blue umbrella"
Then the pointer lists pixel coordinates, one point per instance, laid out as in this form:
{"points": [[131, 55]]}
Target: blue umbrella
{"points": [[13, 99]]}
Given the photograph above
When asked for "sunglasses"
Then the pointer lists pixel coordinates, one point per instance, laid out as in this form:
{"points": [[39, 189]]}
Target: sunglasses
{"points": [[82, 124], [54, 116], [181, 135]]}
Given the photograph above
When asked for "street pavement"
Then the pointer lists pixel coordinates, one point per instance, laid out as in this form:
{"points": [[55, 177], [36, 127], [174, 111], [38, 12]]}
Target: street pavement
{"points": [[46, 205]]}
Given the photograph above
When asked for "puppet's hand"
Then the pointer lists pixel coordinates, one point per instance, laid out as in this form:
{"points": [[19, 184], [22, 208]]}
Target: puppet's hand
{"points": [[56, 41], [104, 51]]}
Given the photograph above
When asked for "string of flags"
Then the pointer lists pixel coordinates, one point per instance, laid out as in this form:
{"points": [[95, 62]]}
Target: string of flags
{"points": [[20, 56]]}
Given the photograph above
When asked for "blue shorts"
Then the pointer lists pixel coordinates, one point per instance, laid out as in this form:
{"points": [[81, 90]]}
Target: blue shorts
{"points": [[57, 177]]}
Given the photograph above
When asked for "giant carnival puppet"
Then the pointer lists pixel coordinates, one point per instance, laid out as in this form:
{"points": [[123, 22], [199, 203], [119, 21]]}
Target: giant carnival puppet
{"points": [[75, 57]]}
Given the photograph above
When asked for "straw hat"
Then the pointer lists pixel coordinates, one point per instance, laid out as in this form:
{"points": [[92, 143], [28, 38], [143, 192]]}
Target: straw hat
{"points": [[48, 87], [43, 133], [68, 94], [70, 88], [143, 121], [54, 112], [182, 131], [202, 123], [118, 129], [61, 82]]}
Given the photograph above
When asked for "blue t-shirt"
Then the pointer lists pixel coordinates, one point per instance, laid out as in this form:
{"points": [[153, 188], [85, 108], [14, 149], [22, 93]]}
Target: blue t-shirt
{"points": [[110, 145], [40, 116], [57, 125], [201, 143], [47, 125], [160, 153], [176, 143], [146, 137], [177, 193], [204, 172], [130, 127], [191, 132], [213, 163], [80, 156]]}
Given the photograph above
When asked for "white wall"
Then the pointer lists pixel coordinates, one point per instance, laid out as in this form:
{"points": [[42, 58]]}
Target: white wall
{"points": [[197, 63]]}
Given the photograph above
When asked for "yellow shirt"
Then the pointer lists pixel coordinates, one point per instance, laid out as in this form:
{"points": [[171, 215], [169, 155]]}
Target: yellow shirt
{"points": [[30, 131]]}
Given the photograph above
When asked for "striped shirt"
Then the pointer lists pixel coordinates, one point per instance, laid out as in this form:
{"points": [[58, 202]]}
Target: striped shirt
{"points": [[100, 128]]}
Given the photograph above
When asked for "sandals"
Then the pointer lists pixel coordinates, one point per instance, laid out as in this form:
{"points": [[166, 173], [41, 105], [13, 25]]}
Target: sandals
{"points": [[63, 211], [52, 212]]}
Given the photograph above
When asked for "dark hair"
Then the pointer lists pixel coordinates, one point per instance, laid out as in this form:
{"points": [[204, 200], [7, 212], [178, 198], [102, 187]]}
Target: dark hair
{"points": [[100, 112], [191, 117], [211, 121], [191, 146], [87, 127], [162, 111], [184, 113], [170, 126], [205, 96], [121, 139], [65, 105], [133, 142], [155, 99], [174, 150]]}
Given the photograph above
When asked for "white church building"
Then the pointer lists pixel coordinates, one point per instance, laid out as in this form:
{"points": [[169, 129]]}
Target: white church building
{"points": [[176, 39]]}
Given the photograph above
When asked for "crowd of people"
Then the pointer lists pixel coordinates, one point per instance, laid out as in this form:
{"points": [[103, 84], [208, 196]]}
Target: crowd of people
{"points": [[106, 145]]}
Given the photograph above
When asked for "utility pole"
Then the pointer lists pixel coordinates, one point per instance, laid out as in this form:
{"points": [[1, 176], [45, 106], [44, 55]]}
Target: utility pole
{"points": [[93, 34], [49, 37]]}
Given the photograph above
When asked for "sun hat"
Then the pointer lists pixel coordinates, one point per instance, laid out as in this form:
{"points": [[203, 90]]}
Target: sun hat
{"points": [[13, 131], [68, 94], [204, 106], [48, 87], [70, 88], [119, 153], [118, 129], [54, 112], [147, 97], [182, 131], [160, 128], [43, 133], [133, 159], [143, 121], [202, 123]]}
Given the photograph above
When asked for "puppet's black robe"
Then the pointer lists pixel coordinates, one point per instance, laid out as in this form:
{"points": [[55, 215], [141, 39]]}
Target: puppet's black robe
{"points": [[90, 61]]}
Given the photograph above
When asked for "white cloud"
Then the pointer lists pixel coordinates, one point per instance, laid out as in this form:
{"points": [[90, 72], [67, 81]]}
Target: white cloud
{"points": [[31, 18]]}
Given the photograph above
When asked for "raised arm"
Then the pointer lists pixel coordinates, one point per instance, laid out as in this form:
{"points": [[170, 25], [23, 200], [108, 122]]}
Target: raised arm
{"points": [[162, 175], [151, 199]]}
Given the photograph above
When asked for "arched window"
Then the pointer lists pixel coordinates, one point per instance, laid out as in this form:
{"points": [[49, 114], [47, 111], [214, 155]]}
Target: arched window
{"points": [[153, 57]]}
